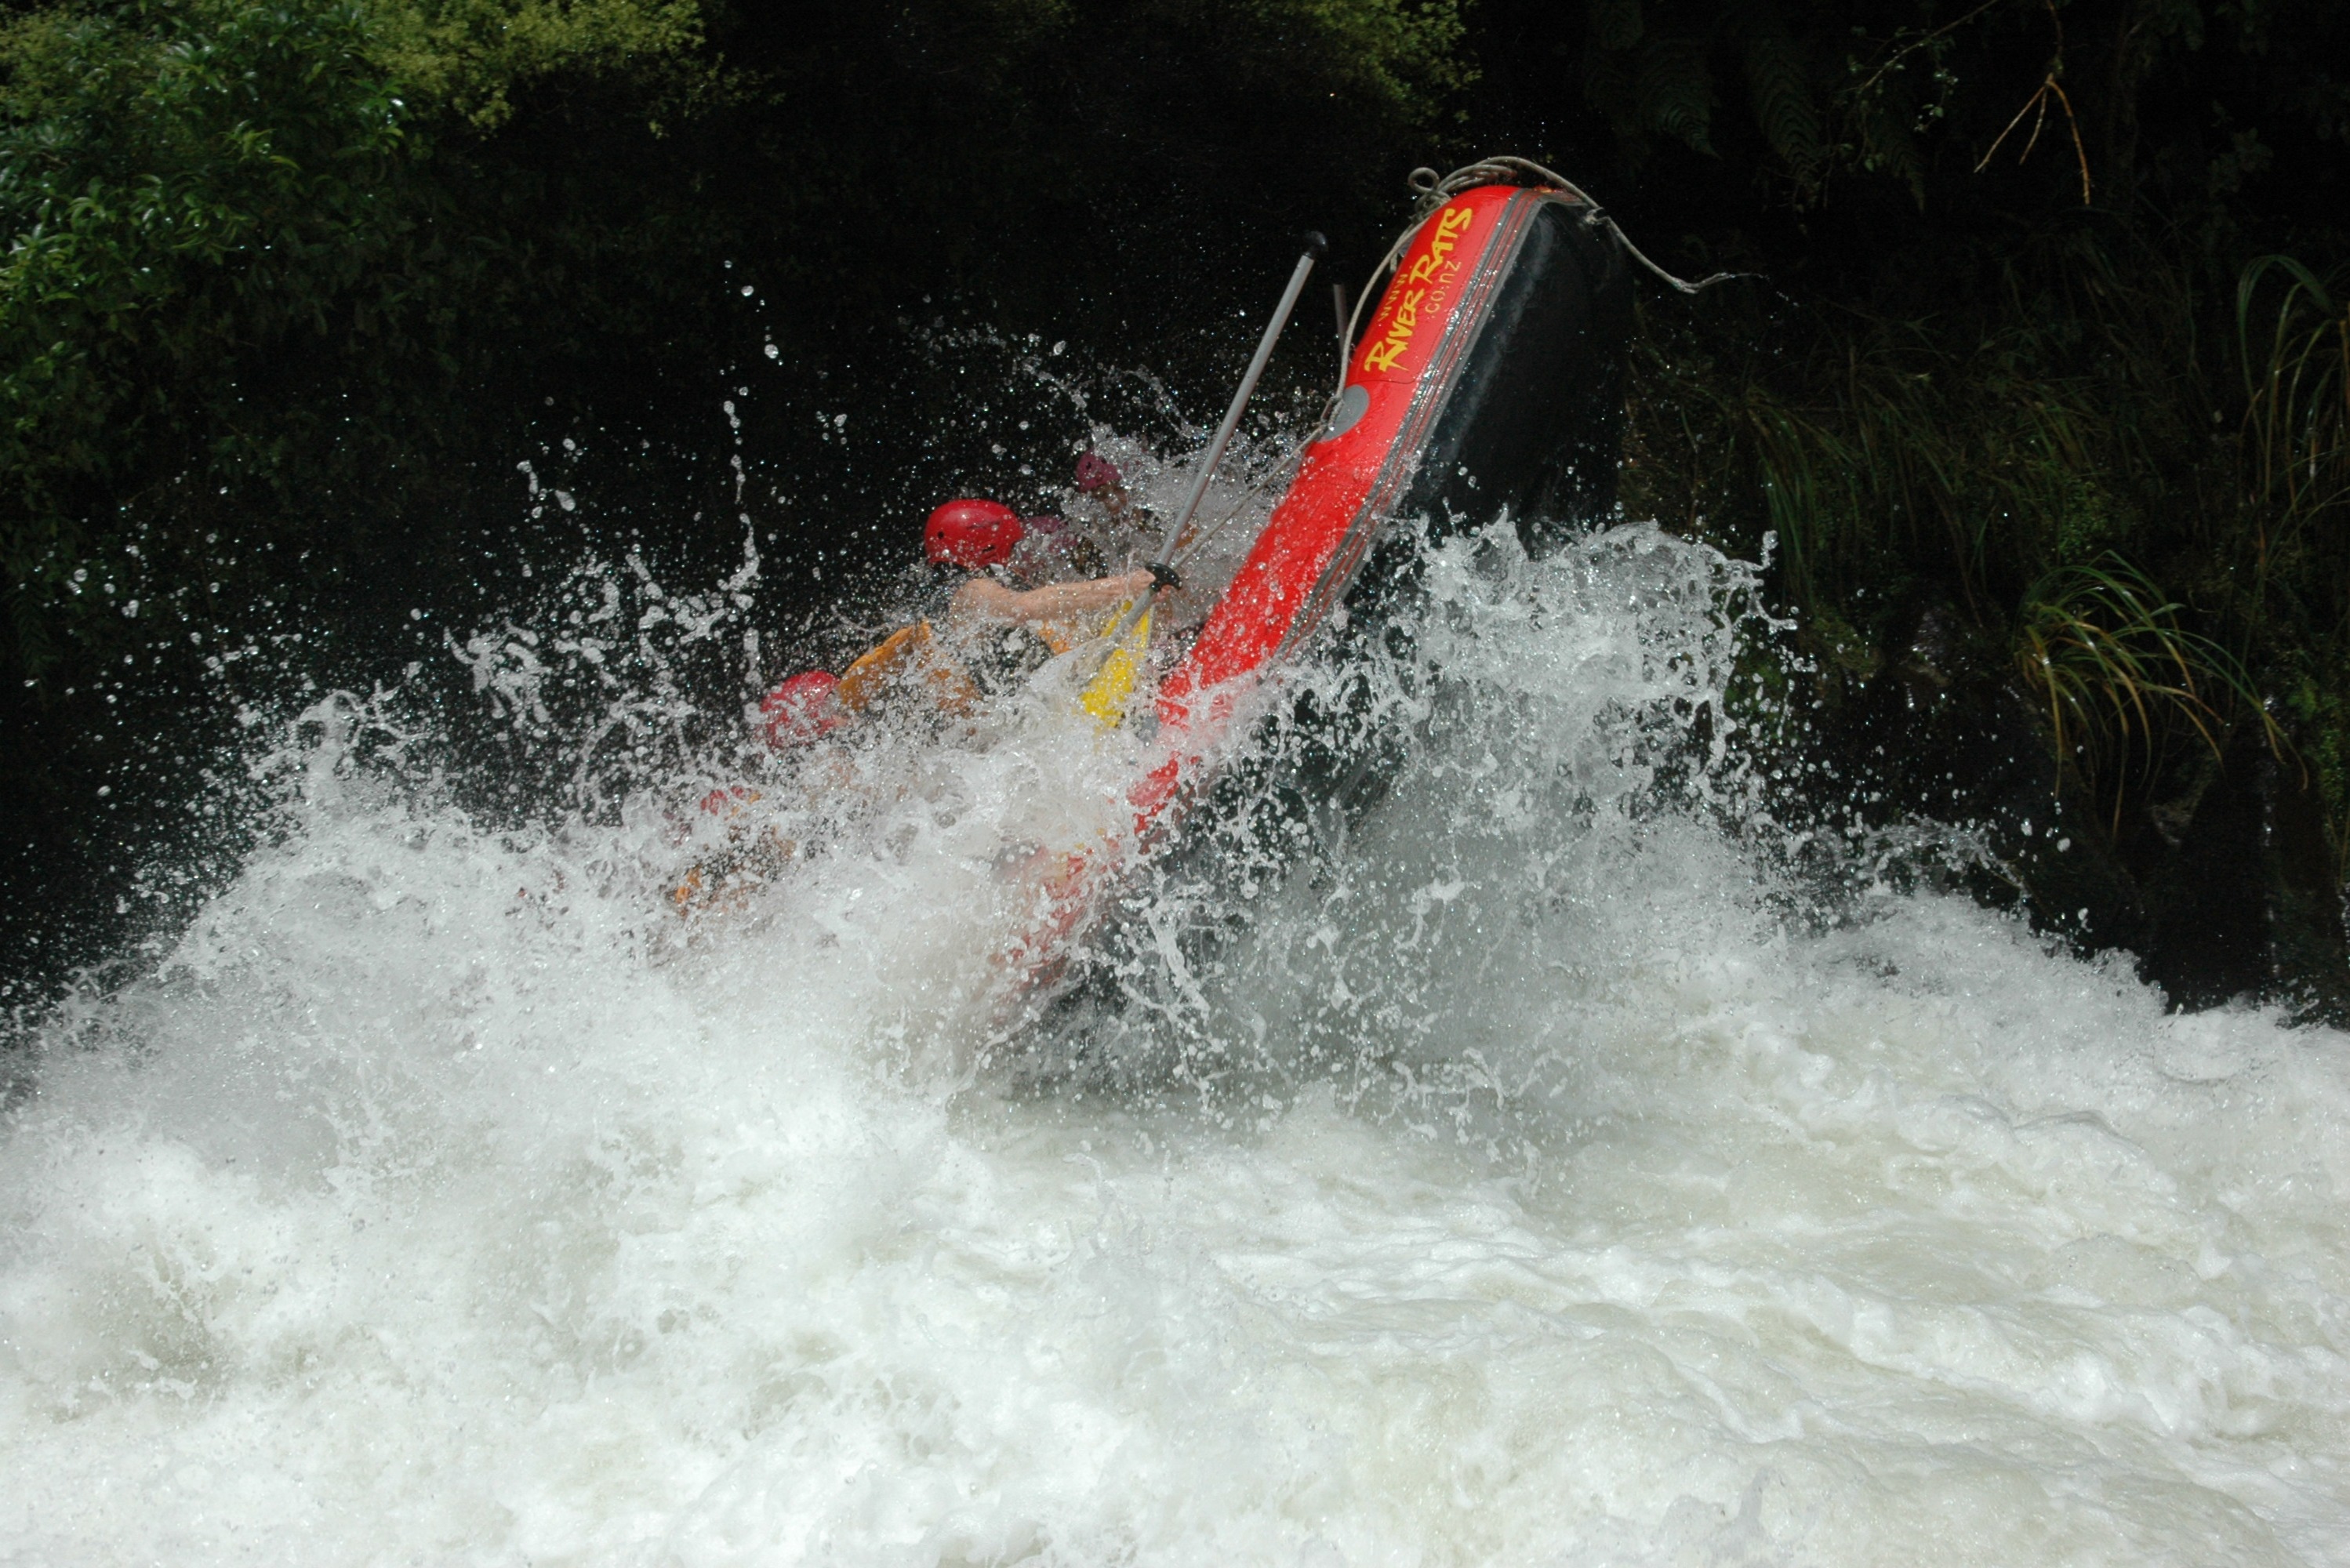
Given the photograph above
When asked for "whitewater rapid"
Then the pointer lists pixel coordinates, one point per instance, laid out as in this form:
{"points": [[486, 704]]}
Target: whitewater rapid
{"points": [[1538, 1174]]}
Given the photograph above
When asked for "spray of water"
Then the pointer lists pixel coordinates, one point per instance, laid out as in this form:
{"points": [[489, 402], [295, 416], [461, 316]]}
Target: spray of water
{"points": [[1527, 1167]]}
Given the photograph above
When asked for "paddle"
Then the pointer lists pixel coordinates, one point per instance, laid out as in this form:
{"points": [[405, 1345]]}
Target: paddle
{"points": [[1163, 572]]}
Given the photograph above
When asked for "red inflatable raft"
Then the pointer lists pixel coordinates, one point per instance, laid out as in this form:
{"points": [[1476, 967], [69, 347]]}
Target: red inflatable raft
{"points": [[1489, 376]]}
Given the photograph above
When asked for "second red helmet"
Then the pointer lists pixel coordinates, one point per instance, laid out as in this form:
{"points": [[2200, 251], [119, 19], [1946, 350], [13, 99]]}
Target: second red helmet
{"points": [[800, 710], [972, 533]]}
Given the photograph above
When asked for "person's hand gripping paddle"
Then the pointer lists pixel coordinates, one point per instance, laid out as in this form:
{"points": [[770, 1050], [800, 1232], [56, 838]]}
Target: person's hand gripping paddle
{"points": [[1164, 564]]}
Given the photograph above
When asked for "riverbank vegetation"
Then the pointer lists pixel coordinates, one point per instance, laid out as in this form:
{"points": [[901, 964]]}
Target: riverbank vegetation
{"points": [[2038, 386]]}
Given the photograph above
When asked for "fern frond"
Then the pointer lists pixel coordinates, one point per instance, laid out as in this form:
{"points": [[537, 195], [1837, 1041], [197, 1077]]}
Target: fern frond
{"points": [[1778, 89], [1674, 89], [1615, 24], [1608, 87]]}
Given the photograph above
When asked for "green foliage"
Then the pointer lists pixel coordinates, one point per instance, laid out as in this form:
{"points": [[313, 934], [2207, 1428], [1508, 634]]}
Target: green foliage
{"points": [[474, 57], [1649, 81], [2105, 655], [182, 186], [2296, 423], [1810, 93], [1885, 450], [1616, 24], [2291, 540], [2317, 708], [1397, 56], [1835, 96], [1784, 106], [1404, 53], [2038, 459], [211, 205], [1672, 89]]}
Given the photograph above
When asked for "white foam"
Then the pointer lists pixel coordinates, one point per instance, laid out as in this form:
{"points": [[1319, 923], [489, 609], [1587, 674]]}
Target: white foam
{"points": [[1523, 1188]]}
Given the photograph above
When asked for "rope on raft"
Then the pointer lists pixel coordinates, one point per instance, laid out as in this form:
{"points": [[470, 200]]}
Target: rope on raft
{"points": [[1436, 189]]}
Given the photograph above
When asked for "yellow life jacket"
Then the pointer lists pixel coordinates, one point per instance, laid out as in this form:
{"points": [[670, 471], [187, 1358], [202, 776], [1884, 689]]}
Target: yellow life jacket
{"points": [[912, 661], [1106, 696]]}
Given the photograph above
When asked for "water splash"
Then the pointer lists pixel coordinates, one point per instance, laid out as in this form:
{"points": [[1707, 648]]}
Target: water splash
{"points": [[1528, 1171]]}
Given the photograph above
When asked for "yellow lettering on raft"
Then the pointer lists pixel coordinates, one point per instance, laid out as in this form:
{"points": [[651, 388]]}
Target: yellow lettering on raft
{"points": [[1443, 240]]}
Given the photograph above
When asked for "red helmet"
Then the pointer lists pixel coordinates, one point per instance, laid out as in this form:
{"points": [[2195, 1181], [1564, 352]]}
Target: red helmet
{"points": [[970, 533], [801, 709], [1096, 471]]}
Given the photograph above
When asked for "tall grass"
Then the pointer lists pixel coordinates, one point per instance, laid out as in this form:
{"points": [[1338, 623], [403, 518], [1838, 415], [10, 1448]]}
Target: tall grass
{"points": [[2144, 508], [1882, 457], [2296, 424], [2102, 651], [2293, 535]]}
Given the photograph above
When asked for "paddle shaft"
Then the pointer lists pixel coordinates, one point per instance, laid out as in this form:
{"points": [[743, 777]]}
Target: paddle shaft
{"points": [[1314, 245]]}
